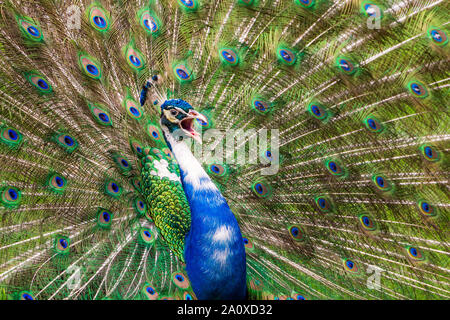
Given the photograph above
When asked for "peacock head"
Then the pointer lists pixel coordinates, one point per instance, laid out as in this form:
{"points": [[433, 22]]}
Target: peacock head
{"points": [[178, 117]]}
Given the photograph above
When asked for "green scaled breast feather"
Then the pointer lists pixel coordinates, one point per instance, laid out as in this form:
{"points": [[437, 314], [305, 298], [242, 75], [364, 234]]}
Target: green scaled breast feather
{"points": [[163, 191]]}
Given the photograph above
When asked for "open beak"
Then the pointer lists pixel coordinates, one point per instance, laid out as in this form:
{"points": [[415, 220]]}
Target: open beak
{"points": [[187, 125]]}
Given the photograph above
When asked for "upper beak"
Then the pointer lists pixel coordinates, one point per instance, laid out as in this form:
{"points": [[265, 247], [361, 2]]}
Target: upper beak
{"points": [[198, 116]]}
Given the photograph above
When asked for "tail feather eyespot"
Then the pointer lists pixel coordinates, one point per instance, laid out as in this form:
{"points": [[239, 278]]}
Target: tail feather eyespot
{"points": [[11, 196], [99, 18], [30, 30], [181, 280], [104, 218], [11, 137], [57, 183], [62, 244], [90, 67]]}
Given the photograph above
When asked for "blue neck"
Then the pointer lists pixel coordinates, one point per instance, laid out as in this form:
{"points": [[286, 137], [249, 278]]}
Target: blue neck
{"points": [[214, 250]]}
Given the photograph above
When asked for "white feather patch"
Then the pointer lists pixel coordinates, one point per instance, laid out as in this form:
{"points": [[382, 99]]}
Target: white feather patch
{"points": [[223, 234], [162, 167]]}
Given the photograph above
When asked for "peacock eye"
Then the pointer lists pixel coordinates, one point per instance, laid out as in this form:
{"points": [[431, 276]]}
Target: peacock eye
{"points": [[174, 112]]}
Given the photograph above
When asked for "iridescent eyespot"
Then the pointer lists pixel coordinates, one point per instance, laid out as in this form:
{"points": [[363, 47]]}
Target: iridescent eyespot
{"points": [[261, 189], [317, 110], [373, 124], [296, 232], [30, 30], [268, 155], [137, 147], [217, 169], [26, 295], [136, 183], [57, 183], [367, 223], [33, 31], [140, 206], [306, 3], [98, 18], [149, 22], [370, 9], [133, 110], [101, 116], [427, 209], [187, 296], [146, 236], [150, 292], [11, 197], [90, 67], [154, 132], [334, 168], [134, 58], [414, 253], [438, 36], [286, 56], [297, 296], [67, 142], [180, 280], [417, 89], [122, 163], [39, 82], [99, 21], [350, 266], [189, 5], [104, 218], [11, 137], [346, 66], [248, 244], [113, 188], [182, 73], [323, 203], [430, 153], [260, 106], [229, 56], [62, 244], [382, 183]]}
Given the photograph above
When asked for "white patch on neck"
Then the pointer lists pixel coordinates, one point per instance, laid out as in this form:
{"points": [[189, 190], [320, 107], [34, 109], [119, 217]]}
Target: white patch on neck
{"points": [[162, 166], [189, 165], [223, 234]]}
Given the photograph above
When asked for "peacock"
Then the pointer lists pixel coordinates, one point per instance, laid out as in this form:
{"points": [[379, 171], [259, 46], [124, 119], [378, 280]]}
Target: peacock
{"points": [[224, 149]]}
